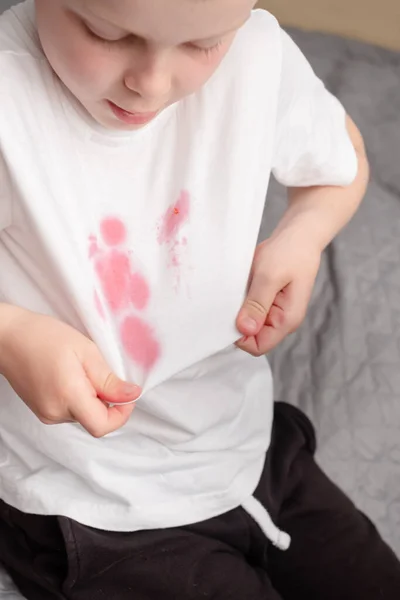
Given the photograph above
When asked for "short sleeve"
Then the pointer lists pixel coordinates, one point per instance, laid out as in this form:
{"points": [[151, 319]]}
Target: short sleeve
{"points": [[5, 195], [312, 146]]}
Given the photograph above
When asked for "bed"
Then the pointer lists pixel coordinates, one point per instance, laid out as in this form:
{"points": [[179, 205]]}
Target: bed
{"points": [[343, 366]]}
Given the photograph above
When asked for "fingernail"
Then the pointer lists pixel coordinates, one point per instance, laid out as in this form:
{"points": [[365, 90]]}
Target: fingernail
{"points": [[249, 324], [132, 390]]}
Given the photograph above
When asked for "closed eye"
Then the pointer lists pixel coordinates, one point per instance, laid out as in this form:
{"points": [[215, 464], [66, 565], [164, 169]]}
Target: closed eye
{"points": [[105, 40], [97, 37], [207, 50]]}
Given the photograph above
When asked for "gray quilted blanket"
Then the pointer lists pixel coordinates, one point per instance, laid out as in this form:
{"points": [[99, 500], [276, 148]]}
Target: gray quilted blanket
{"points": [[343, 366]]}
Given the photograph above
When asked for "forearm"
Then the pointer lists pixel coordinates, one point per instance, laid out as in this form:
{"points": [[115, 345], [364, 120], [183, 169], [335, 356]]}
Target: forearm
{"points": [[321, 212], [8, 315]]}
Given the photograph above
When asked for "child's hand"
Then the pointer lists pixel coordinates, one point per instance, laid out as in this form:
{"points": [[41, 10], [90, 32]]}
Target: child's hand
{"points": [[281, 283], [61, 375]]}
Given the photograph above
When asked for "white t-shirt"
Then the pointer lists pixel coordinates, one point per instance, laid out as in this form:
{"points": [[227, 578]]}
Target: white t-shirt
{"points": [[144, 242]]}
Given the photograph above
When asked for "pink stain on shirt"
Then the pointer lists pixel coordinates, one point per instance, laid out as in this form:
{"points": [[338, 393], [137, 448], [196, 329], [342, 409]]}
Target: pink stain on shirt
{"points": [[139, 291], [174, 218], [114, 270], [113, 231], [121, 286], [140, 342], [125, 289]]}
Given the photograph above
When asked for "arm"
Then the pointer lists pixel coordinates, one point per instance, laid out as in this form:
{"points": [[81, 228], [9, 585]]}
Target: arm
{"points": [[321, 212], [286, 264], [60, 374]]}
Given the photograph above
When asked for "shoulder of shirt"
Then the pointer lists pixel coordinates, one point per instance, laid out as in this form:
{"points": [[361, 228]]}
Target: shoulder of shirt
{"points": [[259, 41], [18, 34], [260, 34], [261, 22]]}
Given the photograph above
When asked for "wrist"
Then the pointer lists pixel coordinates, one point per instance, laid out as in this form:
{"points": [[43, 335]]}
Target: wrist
{"points": [[301, 229]]}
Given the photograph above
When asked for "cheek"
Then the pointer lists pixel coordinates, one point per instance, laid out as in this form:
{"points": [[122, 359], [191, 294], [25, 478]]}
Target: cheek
{"points": [[82, 67], [194, 74], [91, 68]]}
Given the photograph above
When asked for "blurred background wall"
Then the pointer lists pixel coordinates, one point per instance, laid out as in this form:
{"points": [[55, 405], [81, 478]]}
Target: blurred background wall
{"points": [[6, 4], [374, 21]]}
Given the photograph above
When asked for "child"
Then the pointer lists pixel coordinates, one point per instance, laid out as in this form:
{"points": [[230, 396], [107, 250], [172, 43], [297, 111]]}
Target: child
{"points": [[137, 141]]}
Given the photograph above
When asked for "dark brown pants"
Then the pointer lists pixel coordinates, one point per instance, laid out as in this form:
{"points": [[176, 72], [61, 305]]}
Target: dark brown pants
{"points": [[336, 553]]}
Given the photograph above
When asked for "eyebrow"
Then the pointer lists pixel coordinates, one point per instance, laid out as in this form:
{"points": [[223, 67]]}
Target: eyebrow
{"points": [[90, 15]]}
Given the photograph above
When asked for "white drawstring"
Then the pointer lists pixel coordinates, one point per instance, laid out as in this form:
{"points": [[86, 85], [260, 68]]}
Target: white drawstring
{"points": [[255, 509]]}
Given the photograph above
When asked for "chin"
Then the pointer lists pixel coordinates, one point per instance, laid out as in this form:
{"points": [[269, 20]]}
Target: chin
{"points": [[114, 125]]}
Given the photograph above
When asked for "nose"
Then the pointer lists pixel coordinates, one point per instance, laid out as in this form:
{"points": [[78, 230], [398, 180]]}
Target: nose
{"points": [[150, 77]]}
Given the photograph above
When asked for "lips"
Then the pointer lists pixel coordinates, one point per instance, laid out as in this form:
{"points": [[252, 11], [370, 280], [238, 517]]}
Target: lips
{"points": [[131, 118]]}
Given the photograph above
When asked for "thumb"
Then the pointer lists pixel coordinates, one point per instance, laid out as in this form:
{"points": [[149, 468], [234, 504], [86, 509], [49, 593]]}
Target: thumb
{"points": [[254, 312], [117, 391], [108, 386]]}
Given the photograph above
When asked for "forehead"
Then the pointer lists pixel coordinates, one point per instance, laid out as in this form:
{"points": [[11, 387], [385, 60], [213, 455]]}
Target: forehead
{"points": [[168, 21]]}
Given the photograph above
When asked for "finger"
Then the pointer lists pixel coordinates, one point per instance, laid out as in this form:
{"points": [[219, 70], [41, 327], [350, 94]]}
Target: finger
{"points": [[254, 312], [263, 342], [107, 385], [285, 316], [270, 335], [97, 418], [294, 303], [79, 402]]}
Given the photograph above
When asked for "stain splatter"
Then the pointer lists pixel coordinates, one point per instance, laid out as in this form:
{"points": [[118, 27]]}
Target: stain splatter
{"points": [[139, 291], [139, 342], [171, 224], [174, 219], [124, 288], [122, 285], [113, 231]]}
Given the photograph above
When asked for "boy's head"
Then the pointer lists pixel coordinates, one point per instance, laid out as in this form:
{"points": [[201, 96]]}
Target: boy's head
{"points": [[126, 60]]}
